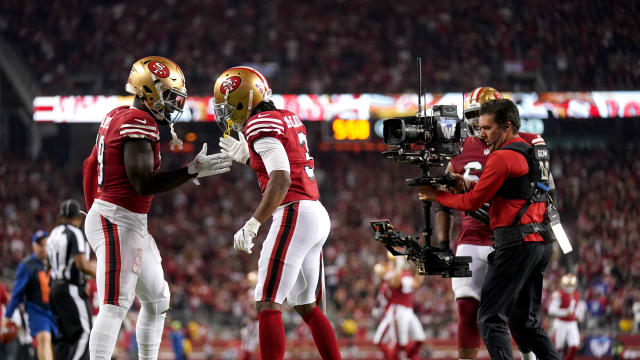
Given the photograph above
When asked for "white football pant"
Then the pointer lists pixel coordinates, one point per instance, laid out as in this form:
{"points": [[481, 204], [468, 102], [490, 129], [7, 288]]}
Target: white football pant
{"points": [[402, 322], [128, 265], [471, 287], [289, 263]]}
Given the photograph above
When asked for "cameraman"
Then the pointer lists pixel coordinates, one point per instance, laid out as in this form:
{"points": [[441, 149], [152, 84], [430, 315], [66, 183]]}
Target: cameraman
{"points": [[513, 285], [475, 234]]}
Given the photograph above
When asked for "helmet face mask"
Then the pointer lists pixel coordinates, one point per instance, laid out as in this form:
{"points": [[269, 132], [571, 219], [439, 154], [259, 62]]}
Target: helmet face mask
{"points": [[235, 94], [170, 106], [473, 103], [472, 118], [159, 84], [223, 113]]}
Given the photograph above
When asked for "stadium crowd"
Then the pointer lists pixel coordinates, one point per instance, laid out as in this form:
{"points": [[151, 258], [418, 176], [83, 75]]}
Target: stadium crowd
{"points": [[320, 47], [193, 226]]}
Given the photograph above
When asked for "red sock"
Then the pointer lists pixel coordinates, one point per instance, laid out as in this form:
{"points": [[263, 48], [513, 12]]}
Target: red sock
{"points": [[468, 333], [412, 349], [323, 335], [388, 351], [271, 334], [571, 353]]}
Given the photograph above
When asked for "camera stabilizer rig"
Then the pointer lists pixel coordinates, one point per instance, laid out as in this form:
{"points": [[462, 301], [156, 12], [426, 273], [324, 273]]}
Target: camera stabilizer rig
{"points": [[427, 140], [428, 260]]}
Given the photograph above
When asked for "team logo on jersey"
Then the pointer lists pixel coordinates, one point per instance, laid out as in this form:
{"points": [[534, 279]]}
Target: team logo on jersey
{"points": [[159, 69], [229, 84]]}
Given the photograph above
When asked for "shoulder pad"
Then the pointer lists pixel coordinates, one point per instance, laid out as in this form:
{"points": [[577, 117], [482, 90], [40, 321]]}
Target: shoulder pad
{"points": [[137, 124], [268, 123]]}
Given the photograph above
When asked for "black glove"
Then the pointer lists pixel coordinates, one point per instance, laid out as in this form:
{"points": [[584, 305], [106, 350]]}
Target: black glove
{"points": [[444, 248]]}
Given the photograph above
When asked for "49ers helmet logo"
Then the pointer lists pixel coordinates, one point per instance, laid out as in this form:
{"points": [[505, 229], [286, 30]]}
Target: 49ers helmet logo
{"points": [[159, 69], [230, 84]]}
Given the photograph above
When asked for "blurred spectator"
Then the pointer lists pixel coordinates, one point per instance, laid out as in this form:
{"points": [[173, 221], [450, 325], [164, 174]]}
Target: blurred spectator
{"points": [[599, 200], [339, 46]]}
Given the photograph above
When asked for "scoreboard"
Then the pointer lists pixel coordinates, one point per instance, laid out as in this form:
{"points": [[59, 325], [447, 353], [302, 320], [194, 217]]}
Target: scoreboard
{"points": [[350, 130]]}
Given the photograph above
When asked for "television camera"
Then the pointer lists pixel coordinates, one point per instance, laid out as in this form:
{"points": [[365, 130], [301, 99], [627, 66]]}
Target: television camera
{"points": [[427, 140]]}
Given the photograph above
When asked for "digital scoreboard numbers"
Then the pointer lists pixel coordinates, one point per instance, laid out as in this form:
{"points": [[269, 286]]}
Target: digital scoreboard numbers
{"points": [[349, 130]]}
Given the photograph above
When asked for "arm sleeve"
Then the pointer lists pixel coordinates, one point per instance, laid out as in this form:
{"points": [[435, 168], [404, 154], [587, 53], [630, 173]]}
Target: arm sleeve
{"points": [[494, 174], [273, 154], [22, 277], [90, 178], [554, 306]]}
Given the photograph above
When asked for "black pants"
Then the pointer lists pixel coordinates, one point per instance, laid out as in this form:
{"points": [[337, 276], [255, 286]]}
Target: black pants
{"points": [[512, 293], [73, 315]]}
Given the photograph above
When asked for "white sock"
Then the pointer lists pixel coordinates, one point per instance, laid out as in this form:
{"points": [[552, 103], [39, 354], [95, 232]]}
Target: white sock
{"points": [[149, 328], [528, 356], [104, 333]]}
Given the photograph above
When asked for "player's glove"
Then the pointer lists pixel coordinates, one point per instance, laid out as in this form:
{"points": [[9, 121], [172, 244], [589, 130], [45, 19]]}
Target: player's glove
{"points": [[207, 165], [243, 239], [237, 149]]}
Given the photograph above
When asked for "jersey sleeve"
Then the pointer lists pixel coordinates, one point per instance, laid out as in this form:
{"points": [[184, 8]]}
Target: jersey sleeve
{"points": [[495, 173], [555, 305], [269, 125], [138, 127], [75, 241], [90, 178], [19, 286], [532, 139]]}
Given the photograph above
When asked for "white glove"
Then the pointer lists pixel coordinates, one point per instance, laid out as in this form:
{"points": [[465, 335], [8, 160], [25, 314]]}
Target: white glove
{"points": [[237, 149], [207, 165], [243, 239]]}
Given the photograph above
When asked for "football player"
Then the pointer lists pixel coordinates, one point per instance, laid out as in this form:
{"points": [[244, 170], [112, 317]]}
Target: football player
{"points": [[120, 178], [475, 237], [384, 337], [276, 148], [400, 319], [567, 308]]}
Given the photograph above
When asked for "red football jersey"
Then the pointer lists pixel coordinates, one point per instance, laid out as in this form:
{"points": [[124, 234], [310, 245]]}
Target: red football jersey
{"points": [[403, 295], [286, 127], [568, 301], [470, 163], [383, 295], [4, 299], [113, 183]]}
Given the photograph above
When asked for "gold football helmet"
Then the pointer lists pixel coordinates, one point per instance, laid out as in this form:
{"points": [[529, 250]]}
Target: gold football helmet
{"points": [[472, 105], [235, 94], [568, 282], [159, 83]]}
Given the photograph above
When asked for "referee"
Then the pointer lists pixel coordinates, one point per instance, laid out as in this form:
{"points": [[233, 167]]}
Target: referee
{"points": [[68, 253]]}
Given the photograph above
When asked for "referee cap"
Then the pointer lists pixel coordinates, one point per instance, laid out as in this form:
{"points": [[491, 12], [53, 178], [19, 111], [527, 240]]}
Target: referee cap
{"points": [[69, 208], [40, 234]]}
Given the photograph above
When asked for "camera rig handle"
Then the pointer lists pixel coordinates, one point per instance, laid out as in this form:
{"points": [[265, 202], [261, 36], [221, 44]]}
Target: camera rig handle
{"points": [[428, 260]]}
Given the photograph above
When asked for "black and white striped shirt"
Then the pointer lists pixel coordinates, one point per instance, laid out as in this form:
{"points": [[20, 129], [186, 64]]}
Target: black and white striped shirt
{"points": [[65, 241]]}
